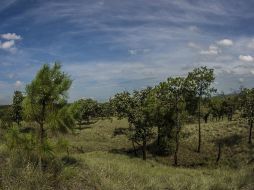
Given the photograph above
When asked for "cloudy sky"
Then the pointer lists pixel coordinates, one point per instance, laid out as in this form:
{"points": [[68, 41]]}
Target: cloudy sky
{"points": [[112, 45]]}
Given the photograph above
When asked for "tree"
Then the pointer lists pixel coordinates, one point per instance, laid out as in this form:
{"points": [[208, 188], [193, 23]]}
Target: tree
{"points": [[171, 95], [84, 110], [163, 117], [17, 107], [45, 102], [105, 110], [77, 112], [217, 107], [136, 108], [247, 104], [200, 80], [90, 109], [230, 104]]}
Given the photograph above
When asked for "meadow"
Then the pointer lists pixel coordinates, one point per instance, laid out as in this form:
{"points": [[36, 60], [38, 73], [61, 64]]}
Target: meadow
{"points": [[101, 158], [142, 140]]}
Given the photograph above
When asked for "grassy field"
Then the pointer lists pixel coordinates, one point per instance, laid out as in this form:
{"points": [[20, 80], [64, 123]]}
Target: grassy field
{"points": [[103, 159], [111, 164]]}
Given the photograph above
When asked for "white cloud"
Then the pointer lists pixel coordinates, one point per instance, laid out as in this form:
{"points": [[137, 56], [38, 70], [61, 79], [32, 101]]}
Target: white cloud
{"points": [[212, 50], [246, 58], [193, 45], [18, 84], [11, 36], [225, 42], [7, 44]]}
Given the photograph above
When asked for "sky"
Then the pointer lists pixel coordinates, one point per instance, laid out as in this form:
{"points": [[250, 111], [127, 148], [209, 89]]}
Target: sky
{"points": [[108, 46]]}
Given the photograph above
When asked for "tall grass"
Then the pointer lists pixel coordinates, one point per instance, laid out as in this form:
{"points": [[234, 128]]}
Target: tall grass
{"points": [[122, 172], [101, 159]]}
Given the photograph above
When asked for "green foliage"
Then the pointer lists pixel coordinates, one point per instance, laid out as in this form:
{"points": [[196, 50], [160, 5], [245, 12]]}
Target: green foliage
{"points": [[46, 93], [61, 120], [170, 109], [6, 118], [199, 86], [45, 104], [84, 110], [200, 81], [247, 105], [105, 110], [16, 108], [137, 109], [98, 156]]}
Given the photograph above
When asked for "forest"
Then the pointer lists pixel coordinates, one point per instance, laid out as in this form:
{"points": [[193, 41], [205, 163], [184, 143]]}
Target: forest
{"points": [[178, 134]]}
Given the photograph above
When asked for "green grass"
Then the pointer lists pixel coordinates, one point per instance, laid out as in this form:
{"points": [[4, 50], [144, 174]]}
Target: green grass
{"points": [[108, 159], [100, 136], [105, 162], [236, 152], [122, 172]]}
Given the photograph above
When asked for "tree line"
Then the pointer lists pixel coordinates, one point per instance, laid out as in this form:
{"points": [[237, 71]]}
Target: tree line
{"points": [[159, 112]]}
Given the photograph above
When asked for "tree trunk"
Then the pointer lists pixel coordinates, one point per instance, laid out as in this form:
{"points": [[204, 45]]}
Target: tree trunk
{"points": [[42, 132], [134, 148], [199, 127], [219, 153], [144, 149], [159, 136], [250, 132], [177, 147], [206, 117], [41, 137]]}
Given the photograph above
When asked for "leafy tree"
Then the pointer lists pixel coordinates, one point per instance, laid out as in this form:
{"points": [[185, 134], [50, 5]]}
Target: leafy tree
{"points": [[105, 110], [230, 105], [171, 95], [84, 110], [17, 107], [137, 109], [90, 109], [217, 107], [247, 103], [45, 102], [200, 81]]}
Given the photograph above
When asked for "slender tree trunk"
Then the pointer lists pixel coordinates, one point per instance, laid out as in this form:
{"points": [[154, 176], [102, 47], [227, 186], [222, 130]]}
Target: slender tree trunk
{"points": [[159, 136], [134, 148], [144, 149], [177, 147], [250, 132], [199, 127], [206, 117], [42, 133], [68, 154], [219, 153], [41, 137]]}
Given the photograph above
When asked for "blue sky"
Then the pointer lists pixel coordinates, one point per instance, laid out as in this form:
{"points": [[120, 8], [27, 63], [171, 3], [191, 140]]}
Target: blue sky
{"points": [[112, 45]]}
